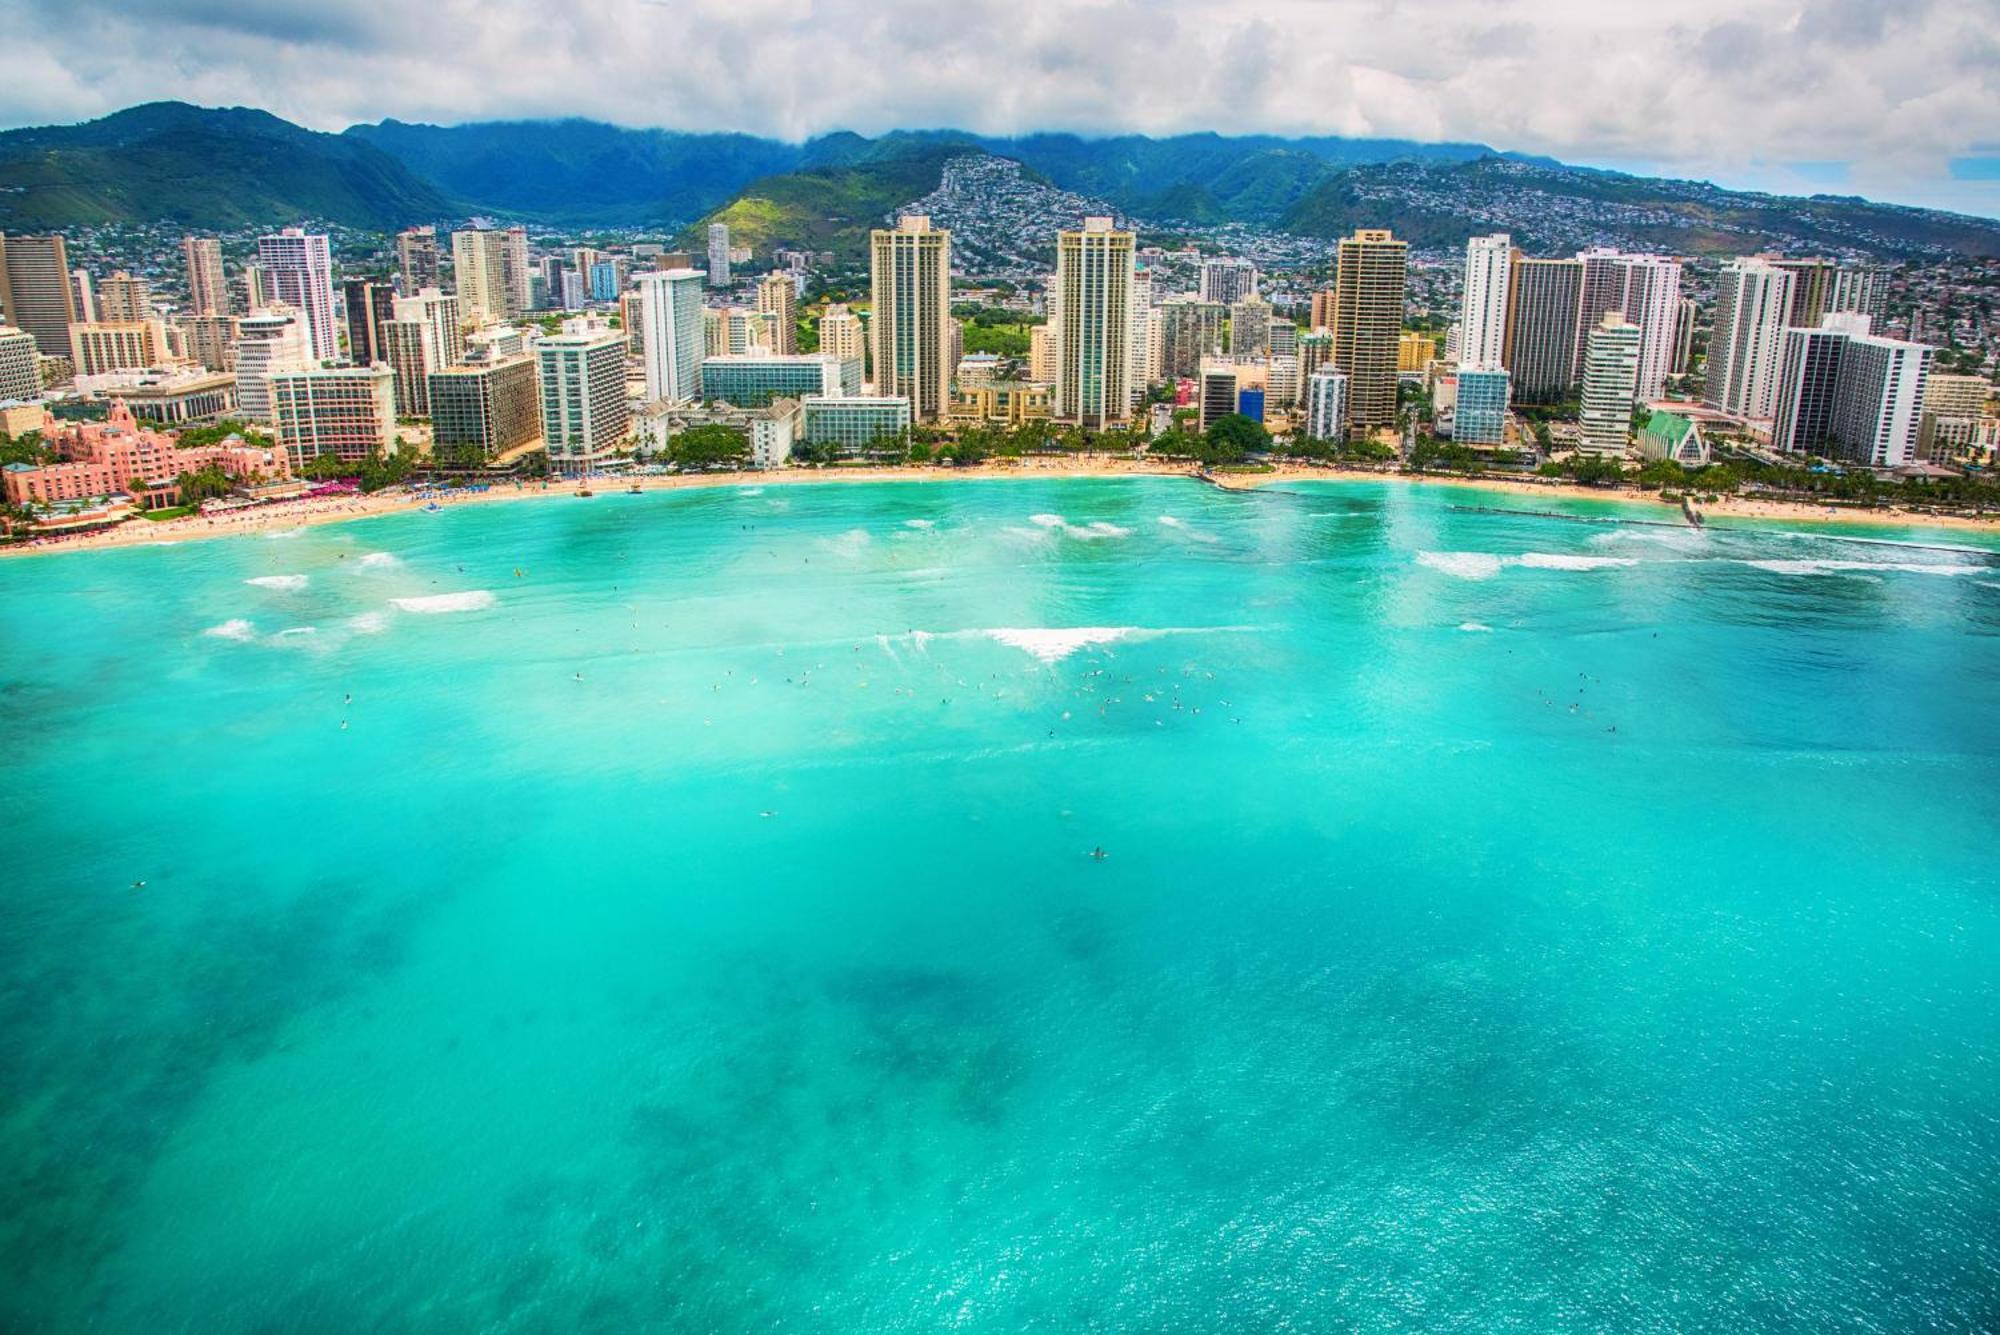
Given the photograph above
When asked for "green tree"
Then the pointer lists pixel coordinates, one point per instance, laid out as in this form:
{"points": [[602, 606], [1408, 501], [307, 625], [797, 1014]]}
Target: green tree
{"points": [[709, 446]]}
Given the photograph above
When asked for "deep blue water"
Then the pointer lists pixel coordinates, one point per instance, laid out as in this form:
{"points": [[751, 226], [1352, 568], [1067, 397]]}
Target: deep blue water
{"points": [[1506, 923]]}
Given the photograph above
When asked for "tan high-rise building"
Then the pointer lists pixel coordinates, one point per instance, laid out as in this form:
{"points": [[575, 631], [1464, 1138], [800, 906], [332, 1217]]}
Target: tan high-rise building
{"points": [[482, 272], [1368, 322], [211, 340], [117, 345], [1322, 308], [417, 259], [778, 298], [35, 291], [911, 268], [208, 290], [348, 411], [1042, 355], [122, 299], [1092, 319], [1414, 351], [842, 335]]}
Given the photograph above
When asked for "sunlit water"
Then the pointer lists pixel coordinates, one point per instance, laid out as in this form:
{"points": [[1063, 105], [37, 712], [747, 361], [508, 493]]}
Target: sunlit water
{"points": [[690, 921]]}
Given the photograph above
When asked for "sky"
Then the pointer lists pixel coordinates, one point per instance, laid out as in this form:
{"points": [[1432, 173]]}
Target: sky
{"points": [[1892, 99]]}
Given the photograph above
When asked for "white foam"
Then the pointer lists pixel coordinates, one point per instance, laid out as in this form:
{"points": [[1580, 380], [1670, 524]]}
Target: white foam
{"points": [[1172, 521], [1053, 644], [284, 533], [1095, 531], [289, 583], [1485, 565], [1828, 567], [368, 623], [1567, 561], [473, 601], [1461, 565], [1475, 627], [749, 491], [850, 543], [296, 632], [236, 628], [920, 523], [378, 561]]}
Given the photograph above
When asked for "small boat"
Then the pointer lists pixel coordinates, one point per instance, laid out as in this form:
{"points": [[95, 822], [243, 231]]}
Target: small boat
{"points": [[634, 489]]}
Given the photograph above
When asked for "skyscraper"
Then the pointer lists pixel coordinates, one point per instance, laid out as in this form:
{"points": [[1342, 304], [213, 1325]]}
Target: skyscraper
{"points": [[422, 338], [256, 288], [268, 341], [1228, 281], [35, 292], [778, 298], [1646, 289], [1367, 317], [1326, 405], [299, 266], [1812, 288], [1190, 331], [1250, 328], [515, 272], [479, 269], [20, 373], [1862, 290], [123, 298], [841, 335], [1610, 381], [1541, 333], [1093, 324], [670, 325], [1851, 395], [582, 384], [1483, 312], [208, 290], [1753, 301], [371, 304], [718, 255], [417, 259], [911, 285]]}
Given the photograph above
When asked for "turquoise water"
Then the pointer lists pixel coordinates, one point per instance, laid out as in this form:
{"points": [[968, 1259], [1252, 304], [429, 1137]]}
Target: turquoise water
{"points": [[1506, 923]]}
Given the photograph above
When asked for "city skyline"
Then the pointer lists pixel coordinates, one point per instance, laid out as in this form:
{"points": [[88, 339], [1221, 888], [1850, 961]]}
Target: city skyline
{"points": [[1833, 96]]}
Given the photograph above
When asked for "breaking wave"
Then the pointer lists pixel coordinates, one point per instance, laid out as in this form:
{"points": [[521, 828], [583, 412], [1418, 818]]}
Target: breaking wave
{"points": [[473, 601], [289, 583]]}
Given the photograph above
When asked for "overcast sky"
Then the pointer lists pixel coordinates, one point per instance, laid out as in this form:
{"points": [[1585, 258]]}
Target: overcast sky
{"points": [[1895, 99]]}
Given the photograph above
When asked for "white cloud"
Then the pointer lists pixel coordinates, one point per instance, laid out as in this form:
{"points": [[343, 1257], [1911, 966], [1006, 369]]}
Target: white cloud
{"points": [[1740, 90]]}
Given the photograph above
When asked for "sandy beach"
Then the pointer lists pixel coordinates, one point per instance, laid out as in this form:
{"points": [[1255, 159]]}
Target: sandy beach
{"points": [[340, 509]]}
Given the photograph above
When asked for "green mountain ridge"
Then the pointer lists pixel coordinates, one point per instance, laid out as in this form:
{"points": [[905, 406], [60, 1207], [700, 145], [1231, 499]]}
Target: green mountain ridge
{"points": [[205, 168]]}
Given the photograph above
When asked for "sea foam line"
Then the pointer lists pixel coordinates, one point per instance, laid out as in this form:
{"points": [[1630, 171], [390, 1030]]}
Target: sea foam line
{"points": [[1485, 565], [1095, 531], [473, 601], [289, 583]]}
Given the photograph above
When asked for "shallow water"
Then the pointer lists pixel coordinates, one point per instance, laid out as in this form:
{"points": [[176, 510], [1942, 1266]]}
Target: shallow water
{"points": [[1506, 923]]}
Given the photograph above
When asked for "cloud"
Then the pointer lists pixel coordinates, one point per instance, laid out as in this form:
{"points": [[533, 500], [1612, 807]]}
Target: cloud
{"points": [[1733, 89]]}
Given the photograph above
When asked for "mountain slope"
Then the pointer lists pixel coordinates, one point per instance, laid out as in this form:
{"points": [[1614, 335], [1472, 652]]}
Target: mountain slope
{"points": [[208, 168], [829, 208]]}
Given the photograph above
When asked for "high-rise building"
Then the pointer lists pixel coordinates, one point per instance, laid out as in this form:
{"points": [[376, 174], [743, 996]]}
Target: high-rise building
{"points": [[842, 335], [1250, 328], [1542, 327], [422, 338], [1093, 325], [718, 255], [1483, 312], [1684, 322], [1367, 318], [122, 299], [1610, 385], [85, 294], [345, 411], [20, 373], [1216, 392], [1753, 300], [257, 294], [1480, 415], [299, 265], [1322, 308], [909, 329], [268, 341], [480, 270], [585, 416], [97, 347], [483, 409], [1812, 288], [371, 304], [1861, 290], [417, 261], [1851, 395], [1190, 333], [759, 380], [1646, 289], [208, 290], [1140, 341], [1316, 355], [778, 298], [35, 291], [1326, 405], [671, 338], [211, 340], [1414, 351], [1228, 281]]}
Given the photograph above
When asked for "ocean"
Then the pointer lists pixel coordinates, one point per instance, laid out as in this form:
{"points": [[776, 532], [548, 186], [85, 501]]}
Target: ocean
{"points": [[1033, 904]]}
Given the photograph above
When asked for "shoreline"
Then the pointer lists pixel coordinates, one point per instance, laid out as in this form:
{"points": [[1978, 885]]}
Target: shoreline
{"points": [[140, 532]]}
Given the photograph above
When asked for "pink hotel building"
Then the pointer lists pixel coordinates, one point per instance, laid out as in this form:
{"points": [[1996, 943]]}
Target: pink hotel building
{"points": [[102, 458]]}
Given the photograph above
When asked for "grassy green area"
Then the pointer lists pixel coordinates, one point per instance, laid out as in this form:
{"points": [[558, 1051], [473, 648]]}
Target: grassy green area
{"points": [[168, 512]]}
